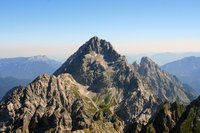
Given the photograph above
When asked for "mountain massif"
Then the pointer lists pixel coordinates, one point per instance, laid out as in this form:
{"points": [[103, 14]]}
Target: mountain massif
{"points": [[97, 65], [96, 90], [187, 70]]}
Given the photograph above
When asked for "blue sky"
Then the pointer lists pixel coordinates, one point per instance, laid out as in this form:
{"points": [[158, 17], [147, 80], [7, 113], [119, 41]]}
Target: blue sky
{"points": [[58, 27]]}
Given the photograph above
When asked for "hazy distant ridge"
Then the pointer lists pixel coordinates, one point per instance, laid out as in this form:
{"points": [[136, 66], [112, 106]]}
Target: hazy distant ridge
{"points": [[27, 67]]}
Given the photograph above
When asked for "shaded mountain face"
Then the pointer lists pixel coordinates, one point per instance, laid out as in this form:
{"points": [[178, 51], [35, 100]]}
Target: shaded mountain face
{"points": [[97, 65], [165, 119], [187, 70], [189, 121], [165, 86], [175, 118], [27, 67], [9, 82]]}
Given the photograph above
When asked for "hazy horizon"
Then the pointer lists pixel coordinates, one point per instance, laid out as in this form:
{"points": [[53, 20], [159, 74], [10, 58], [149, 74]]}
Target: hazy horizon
{"points": [[159, 58], [58, 28]]}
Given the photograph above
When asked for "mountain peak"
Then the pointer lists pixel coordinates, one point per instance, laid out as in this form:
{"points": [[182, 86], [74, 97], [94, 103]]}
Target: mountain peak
{"points": [[93, 61], [95, 38], [146, 60], [164, 84], [38, 58], [97, 45], [148, 63], [94, 49], [95, 41]]}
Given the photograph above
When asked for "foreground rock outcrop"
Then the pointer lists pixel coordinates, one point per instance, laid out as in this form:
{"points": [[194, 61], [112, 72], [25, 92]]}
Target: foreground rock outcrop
{"points": [[165, 119], [175, 118], [50, 104]]}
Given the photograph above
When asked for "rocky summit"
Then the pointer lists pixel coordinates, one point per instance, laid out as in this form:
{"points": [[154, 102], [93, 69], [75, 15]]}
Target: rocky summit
{"points": [[96, 64], [96, 90], [165, 86]]}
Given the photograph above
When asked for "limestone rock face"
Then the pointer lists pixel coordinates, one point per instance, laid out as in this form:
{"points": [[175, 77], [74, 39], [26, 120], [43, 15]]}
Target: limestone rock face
{"points": [[165, 86], [49, 103], [138, 105]]}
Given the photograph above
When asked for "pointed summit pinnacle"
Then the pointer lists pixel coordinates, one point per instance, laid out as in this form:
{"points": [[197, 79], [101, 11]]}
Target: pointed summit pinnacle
{"points": [[95, 38], [97, 45]]}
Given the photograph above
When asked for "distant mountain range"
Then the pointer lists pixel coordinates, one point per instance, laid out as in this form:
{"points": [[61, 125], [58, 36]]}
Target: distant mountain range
{"points": [[162, 58], [22, 70], [27, 67], [187, 70], [96, 90]]}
